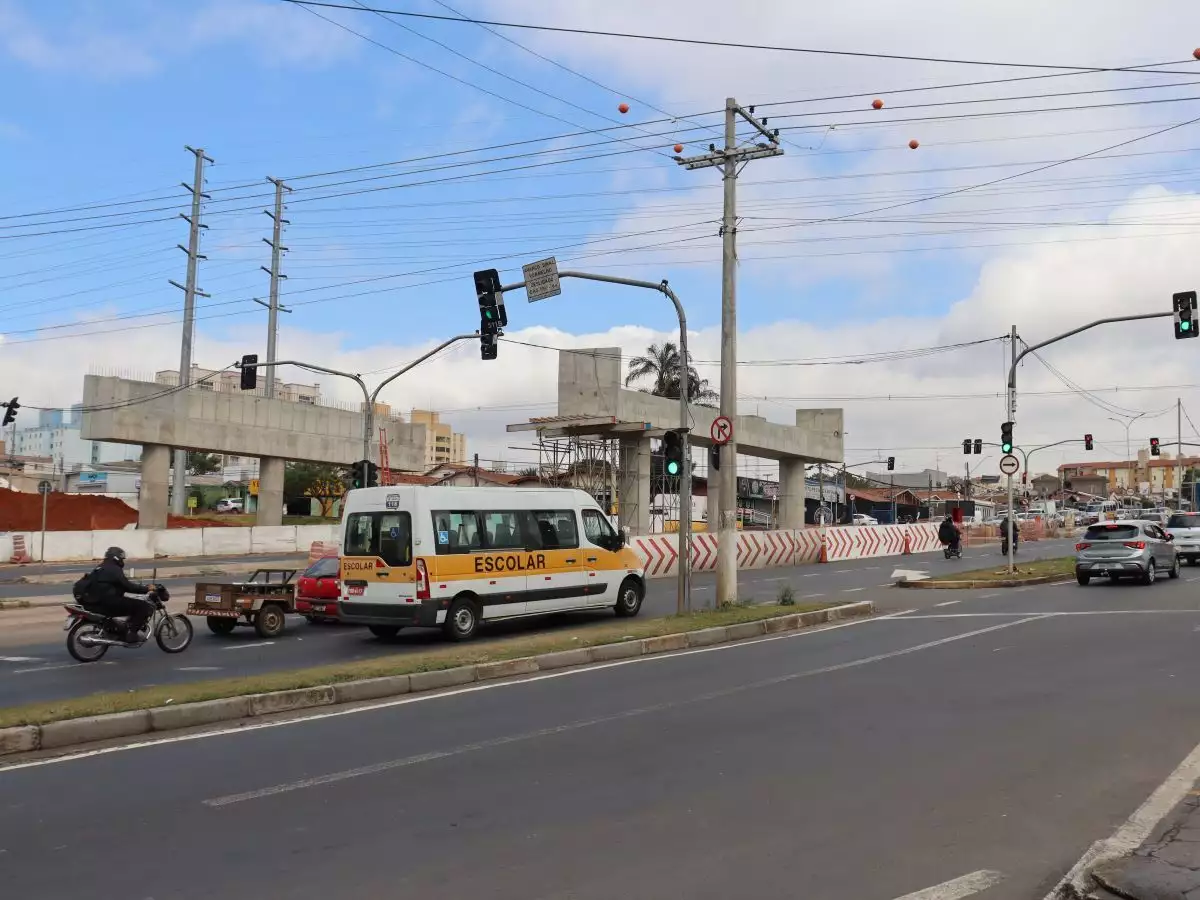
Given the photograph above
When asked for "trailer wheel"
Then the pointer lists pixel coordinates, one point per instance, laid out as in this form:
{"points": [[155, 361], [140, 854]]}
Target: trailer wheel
{"points": [[270, 621], [218, 625]]}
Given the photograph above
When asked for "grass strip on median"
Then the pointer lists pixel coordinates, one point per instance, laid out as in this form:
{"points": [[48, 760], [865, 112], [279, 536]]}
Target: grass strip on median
{"points": [[1038, 571], [435, 658]]}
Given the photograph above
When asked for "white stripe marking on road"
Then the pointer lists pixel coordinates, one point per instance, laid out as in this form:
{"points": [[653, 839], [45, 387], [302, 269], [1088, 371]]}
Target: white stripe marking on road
{"points": [[773, 579], [20, 659], [810, 575], [407, 761], [248, 646], [198, 669], [948, 603], [988, 596], [851, 590], [110, 662], [1053, 615], [958, 888]]}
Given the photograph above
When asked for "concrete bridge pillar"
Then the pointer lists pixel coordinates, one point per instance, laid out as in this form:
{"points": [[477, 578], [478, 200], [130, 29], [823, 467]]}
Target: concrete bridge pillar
{"points": [[154, 493], [270, 491], [791, 494], [633, 490]]}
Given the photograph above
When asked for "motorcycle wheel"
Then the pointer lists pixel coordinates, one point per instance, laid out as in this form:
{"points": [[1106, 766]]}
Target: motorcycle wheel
{"points": [[174, 634], [78, 651]]}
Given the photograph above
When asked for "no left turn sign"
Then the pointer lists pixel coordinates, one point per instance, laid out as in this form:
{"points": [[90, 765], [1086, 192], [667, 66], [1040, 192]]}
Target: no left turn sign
{"points": [[722, 430]]}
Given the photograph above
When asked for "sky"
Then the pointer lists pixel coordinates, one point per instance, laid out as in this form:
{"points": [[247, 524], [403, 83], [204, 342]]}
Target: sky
{"points": [[420, 150]]}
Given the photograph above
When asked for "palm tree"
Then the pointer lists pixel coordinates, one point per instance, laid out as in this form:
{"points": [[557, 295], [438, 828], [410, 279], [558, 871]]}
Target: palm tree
{"points": [[660, 364]]}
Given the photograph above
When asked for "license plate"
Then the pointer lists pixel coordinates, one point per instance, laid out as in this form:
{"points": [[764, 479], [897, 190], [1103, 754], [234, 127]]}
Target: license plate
{"points": [[355, 590], [212, 598], [67, 624]]}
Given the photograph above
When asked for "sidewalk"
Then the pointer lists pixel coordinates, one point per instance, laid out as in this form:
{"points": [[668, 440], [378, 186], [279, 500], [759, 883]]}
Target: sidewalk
{"points": [[1167, 865]]}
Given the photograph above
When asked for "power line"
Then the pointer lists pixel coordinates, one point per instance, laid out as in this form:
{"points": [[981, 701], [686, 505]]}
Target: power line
{"points": [[727, 44]]}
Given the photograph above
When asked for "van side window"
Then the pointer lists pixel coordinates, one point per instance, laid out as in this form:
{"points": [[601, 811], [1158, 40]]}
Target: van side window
{"points": [[387, 535], [456, 531], [598, 529], [503, 530], [556, 529]]}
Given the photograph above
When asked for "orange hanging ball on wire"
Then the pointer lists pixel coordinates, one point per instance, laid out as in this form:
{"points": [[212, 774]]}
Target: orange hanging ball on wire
{"points": [[914, 144], [679, 148], [623, 108], [877, 103], [1196, 53]]}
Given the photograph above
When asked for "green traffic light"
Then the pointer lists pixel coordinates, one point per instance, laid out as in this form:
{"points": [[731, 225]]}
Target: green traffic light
{"points": [[1007, 448], [672, 468], [1185, 325]]}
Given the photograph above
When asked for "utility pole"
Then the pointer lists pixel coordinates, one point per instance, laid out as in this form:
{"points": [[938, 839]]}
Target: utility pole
{"points": [[190, 293], [1011, 403], [475, 471], [730, 159], [1178, 455], [273, 307]]}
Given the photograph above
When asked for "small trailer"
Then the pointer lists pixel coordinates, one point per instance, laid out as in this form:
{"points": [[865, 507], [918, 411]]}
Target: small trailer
{"points": [[264, 601]]}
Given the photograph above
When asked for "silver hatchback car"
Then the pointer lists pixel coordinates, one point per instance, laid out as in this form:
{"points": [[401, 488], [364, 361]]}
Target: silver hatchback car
{"points": [[1125, 548]]}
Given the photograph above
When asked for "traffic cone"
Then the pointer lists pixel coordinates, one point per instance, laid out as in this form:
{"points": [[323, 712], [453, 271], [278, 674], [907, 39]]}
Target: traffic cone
{"points": [[20, 554], [824, 557], [907, 543]]}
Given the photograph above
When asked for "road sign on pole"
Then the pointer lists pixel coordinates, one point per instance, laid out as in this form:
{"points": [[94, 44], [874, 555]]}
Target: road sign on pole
{"points": [[44, 488], [541, 279], [721, 431], [1009, 464]]}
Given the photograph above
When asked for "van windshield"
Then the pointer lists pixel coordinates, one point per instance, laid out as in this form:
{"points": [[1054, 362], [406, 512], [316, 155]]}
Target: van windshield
{"points": [[385, 535]]}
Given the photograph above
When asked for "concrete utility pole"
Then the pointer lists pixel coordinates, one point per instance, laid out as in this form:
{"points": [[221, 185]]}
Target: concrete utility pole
{"points": [[1011, 401], [273, 307], [1178, 455], [190, 293], [730, 158]]}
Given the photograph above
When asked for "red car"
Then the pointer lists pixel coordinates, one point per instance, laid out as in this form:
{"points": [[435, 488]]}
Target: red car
{"points": [[318, 589]]}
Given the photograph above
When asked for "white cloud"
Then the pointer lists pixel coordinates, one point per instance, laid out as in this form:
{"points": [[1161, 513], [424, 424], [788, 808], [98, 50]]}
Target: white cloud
{"points": [[96, 51]]}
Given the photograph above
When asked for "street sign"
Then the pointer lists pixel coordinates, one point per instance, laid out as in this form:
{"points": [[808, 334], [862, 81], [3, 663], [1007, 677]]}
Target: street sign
{"points": [[253, 487], [722, 430], [541, 279], [45, 487], [193, 502], [1009, 464]]}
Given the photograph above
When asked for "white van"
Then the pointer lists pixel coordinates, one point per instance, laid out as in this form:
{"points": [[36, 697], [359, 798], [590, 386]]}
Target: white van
{"points": [[452, 557]]}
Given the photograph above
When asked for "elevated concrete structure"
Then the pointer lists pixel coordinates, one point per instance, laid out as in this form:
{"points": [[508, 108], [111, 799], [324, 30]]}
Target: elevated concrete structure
{"points": [[593, 401], [236, 424]]}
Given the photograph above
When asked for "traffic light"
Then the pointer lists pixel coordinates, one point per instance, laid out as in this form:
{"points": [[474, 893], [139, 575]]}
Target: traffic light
{"points": [[967, 447], [1006, 438], [1154, 448], [891, 463], [978, 446], [714, 457], [10, 411], [673, 453], [1184, 304], [1087, 442], [249, 371], [492, 315], [364, 473]]}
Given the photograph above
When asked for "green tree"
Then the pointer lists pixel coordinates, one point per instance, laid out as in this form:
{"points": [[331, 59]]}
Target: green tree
{"points": [[661, 365], [203, 463], [322, 482]]}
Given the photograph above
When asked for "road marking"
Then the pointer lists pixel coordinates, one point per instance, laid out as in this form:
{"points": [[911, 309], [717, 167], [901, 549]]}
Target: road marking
{"points": [[773, 579], [20, 659], [948, 603], [405, 762], [958, 888], [1134, 830], [248, 646], [1054, 615], [988, 596], [811, 596], [437, 695], [198, 669], [851, 590], [871, 568], [810, 575], [110, 662]]}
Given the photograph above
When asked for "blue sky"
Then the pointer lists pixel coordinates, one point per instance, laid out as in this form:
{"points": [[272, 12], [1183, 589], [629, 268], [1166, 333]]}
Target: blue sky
{"points": [[108, 94]]}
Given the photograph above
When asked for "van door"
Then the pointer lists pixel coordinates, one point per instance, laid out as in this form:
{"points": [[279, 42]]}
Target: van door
{"points": [[500, 563], [378, 574], [604, 564], [559, 579]]}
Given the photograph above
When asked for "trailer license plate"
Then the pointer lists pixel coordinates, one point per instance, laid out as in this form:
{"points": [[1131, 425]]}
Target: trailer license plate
{"points": [[212, 598]]}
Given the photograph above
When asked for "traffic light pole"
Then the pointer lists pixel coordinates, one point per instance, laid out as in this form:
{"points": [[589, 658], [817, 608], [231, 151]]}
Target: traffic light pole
{"points": [[369, 397], [683, 600], [1011, 385]]}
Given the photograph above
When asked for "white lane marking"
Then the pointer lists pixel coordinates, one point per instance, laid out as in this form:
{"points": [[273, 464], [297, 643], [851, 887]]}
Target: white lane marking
{"points": [[811, 596], [810, 574], [1055, 615], [407, 761], [988, 596], [20, 659], [772, 579], [851, 590], [198, 669], [947, 603], [435, 695], [1134, 830], [958, 888], [109, 662], [871, 568], [248, 646]]}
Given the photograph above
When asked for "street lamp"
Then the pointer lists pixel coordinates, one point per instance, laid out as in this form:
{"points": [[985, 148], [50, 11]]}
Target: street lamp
{"points": [[1128, 452]]}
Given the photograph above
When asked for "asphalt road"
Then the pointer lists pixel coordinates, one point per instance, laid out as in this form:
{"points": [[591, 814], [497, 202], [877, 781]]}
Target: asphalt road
{"points": [[985, 742], [35, 666]]}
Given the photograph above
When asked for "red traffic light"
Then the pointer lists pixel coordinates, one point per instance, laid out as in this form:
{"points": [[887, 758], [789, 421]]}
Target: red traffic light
{"points": [[1087, 442], [1154, 449]]}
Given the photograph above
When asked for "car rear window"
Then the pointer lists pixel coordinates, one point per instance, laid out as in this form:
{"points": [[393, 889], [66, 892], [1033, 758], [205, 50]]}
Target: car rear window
{"points": [[326, 567], [1184, 520], [1111, 532]]}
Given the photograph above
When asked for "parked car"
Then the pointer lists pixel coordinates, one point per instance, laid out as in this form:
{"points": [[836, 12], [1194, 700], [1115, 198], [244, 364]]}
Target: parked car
{"points": [[863, 519], [318, 590], [1125, 548], [230, 505], [1185, 528]]}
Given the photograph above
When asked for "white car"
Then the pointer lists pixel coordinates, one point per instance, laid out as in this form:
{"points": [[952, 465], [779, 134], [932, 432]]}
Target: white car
{"points": [[1184, 527], [229, 505], [863, 519]]}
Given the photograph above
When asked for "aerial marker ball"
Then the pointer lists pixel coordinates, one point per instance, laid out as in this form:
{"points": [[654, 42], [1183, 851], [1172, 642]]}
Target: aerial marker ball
{"points": [[914, 144], [623, 108], [877, 103]]}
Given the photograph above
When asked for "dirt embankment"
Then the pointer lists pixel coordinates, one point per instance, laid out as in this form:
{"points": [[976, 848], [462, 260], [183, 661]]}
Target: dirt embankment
{"points": [[76, 512]]}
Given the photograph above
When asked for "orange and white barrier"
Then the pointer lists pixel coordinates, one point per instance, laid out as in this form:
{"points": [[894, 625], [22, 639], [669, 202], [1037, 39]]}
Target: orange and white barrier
{"points": [[19, 553]]}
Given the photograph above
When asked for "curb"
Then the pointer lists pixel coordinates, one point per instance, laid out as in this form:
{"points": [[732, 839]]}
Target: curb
{"points": [[965, 585], [18, 603], [70, 732]]}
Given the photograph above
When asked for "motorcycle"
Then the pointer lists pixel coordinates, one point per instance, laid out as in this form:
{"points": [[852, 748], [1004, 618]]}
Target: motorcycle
{"points": [[952, 552], [1004, 546], [90, 634]]}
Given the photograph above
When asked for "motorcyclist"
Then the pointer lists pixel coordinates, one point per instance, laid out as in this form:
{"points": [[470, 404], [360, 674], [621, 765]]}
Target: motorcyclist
{"points": [[1016, 532], [949, 534], [109, 590]]}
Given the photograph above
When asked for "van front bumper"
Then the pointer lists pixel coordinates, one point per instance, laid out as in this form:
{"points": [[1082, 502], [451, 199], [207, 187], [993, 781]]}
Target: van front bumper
{"points": [[422, 614]]}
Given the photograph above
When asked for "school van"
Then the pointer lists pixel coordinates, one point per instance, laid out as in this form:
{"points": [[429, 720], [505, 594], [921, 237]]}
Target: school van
{"points": [[453, 557]]}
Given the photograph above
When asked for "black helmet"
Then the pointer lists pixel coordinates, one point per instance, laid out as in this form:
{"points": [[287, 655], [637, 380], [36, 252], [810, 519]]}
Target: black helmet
{"points": [[116, 554]]}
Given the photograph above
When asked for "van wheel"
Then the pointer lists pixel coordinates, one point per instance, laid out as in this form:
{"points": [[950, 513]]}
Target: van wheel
{"points": [[462, 619], [629, 598], [384, 632]]}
